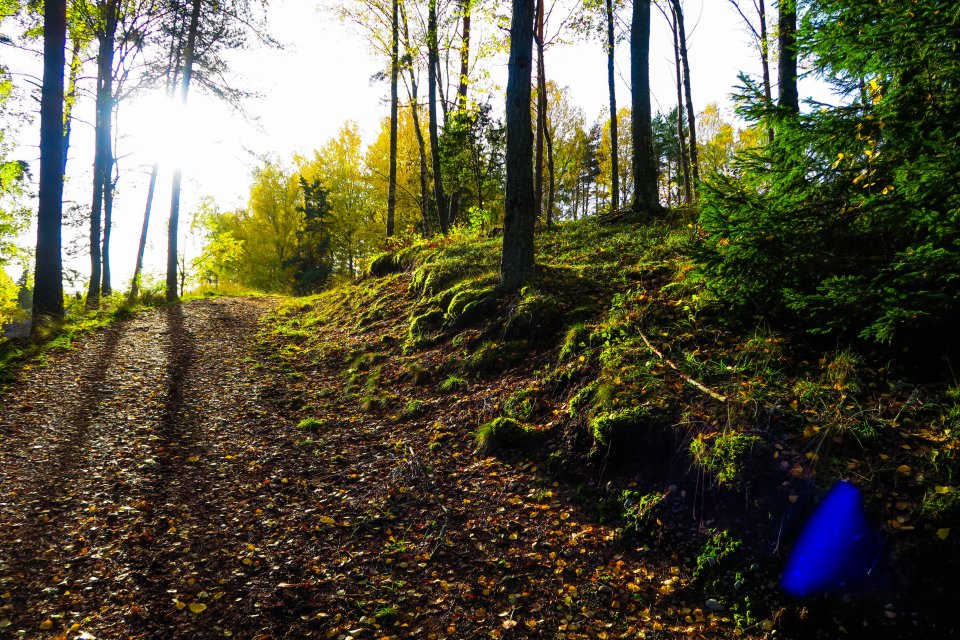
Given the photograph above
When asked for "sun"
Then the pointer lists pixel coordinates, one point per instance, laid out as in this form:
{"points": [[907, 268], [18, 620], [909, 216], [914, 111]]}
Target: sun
{"points": [[159, 129]]}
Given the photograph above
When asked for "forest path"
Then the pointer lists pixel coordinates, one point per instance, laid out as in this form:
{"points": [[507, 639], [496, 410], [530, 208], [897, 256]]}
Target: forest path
{"points": [[153, 485], [126, 468]]}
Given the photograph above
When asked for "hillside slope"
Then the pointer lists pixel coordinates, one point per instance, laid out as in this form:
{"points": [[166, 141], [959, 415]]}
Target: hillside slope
{"points": [[684, 449]]}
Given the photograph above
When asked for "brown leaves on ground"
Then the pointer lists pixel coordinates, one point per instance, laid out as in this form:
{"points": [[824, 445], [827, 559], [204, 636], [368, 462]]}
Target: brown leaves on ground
{"points": [[153, 485]]}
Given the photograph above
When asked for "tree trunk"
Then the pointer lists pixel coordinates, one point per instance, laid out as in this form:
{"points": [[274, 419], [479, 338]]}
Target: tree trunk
{"points": [[421, 143], [551, 174], [106, 288], [517, 261], [614, 141], [103, 157], [787, 42], [172, 229], [394, 100], [691, 116], [142, 247], [681, 135], [765, 59], [433, 62], [467, 9], [76, 64], [645, 199], [172, 76], [48, 274], [541, 109]]}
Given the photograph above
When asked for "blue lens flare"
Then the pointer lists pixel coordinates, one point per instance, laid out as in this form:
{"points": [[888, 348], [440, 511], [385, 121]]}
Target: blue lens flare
{"points": [[836, 549]]}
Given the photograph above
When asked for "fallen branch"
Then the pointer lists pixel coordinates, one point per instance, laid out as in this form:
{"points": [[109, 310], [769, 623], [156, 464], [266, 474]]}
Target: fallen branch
{"points": [[710, 392]]}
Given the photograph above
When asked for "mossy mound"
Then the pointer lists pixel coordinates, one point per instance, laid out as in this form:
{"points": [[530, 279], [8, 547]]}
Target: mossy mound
{"points": [[505, 434]]}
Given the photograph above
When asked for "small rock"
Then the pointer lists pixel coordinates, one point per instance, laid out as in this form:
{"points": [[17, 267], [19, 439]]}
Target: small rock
{"points": [[713, 605]]}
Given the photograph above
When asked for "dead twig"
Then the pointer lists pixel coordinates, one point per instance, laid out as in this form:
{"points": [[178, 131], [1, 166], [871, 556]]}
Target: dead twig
{"points": [[710, 392]]}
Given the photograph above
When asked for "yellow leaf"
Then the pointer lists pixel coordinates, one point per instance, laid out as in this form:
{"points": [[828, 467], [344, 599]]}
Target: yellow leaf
{"points": [[179, 605], [943, 533], [904, 470], [46, 624], [326, 520], [942, 490], [197, 607], [193, 459]]}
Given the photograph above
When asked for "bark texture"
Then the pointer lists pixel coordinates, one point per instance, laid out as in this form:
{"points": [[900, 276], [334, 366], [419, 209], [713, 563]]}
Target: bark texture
{"points": [[48, 274], [517, 260]]}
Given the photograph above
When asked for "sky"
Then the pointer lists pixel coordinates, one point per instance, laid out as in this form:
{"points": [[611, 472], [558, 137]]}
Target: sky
{"points": [[317, 81]]}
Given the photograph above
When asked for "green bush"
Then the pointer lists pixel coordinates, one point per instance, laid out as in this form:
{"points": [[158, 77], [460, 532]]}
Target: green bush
{"points": [[849, 222]]}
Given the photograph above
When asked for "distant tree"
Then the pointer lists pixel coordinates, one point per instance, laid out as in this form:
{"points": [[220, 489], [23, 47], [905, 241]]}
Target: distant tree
{"points": [[394, 108], [681, 35], [614, 114], [517, 260], [762, 42], [189, 55], [312, 263], [48, 288], [471, 149], [433, 81]]}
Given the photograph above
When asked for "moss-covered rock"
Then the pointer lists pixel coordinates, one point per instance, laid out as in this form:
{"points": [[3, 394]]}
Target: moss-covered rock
{"points": [[384, 264], [726, 456], [631, 425], [495, 357], [505, 434]]}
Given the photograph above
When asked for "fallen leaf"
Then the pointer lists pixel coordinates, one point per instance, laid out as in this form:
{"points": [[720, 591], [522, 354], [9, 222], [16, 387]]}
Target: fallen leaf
{"points": [[197, 607], [904, 470], [46, 624], [943, 533]]}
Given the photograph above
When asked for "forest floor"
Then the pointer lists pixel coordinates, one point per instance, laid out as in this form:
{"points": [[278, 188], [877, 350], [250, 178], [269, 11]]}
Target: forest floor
{"points": [[153, 485], [413, 455]]}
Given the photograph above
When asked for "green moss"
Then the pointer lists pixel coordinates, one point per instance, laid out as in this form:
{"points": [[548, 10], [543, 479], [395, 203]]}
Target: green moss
{"points": [[726, 456], [383, 264], [469, 305], [582, 398], [520, 404], [504, 434], [574, 340], [626, 424], [413, 409], [715, 556], [311, 425], [639, 510], [421, 325], [536, 315], [495, 357]]}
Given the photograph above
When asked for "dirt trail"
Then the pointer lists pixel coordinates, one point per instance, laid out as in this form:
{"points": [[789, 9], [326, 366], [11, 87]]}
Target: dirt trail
{"points": [[152, 485], [122, 464]]}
